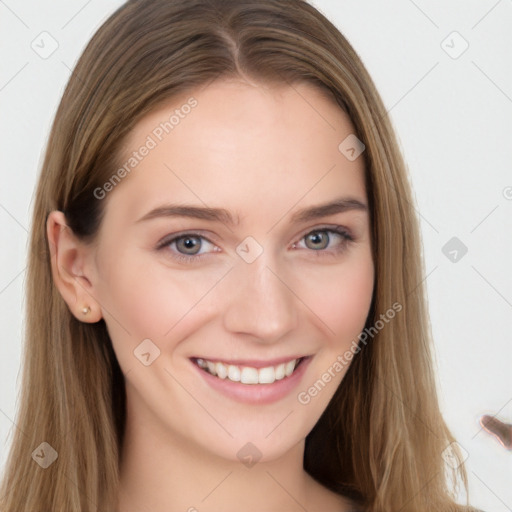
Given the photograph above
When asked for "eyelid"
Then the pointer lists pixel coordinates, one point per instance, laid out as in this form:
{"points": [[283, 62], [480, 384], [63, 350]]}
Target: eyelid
{"points": [[167, 239], [335, 228], [338, 228], [173, 237]]}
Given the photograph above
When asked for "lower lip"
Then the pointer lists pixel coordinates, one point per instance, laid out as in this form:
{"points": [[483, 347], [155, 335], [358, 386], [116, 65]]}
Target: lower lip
{"points": [[255, 393]]}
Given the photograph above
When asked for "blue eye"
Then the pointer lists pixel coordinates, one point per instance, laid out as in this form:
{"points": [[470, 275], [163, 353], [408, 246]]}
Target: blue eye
{"points": [[186, 247], [189, 242], [314, 238]]}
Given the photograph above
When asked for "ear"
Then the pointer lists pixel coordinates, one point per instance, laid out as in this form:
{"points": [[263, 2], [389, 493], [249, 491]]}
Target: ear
{"points": [[71, 272]]}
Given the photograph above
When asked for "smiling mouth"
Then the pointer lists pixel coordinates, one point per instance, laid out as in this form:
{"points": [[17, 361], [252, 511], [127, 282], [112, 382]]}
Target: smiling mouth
{"points": [[249, 374]]}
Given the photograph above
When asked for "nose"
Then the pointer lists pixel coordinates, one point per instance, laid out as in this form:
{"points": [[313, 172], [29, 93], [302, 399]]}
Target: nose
{"points": [[260, 301]]}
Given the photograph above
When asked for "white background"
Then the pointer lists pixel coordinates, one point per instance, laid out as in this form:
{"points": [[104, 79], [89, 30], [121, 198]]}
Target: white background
{"points": [[453, 119]]}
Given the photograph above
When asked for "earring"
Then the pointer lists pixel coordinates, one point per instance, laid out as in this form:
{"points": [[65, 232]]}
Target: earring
{"points": [[86, 310]]}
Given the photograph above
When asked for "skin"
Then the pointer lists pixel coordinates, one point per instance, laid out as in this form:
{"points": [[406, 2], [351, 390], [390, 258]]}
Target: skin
{"points": [[263, 153], [502, 431]]}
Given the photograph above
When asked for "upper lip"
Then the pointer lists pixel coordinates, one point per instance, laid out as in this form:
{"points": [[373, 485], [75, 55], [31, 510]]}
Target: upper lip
{"points": [[254, 363]]}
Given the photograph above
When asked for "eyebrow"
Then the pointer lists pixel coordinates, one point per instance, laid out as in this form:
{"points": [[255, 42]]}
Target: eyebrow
{"points": [[339, 205]]}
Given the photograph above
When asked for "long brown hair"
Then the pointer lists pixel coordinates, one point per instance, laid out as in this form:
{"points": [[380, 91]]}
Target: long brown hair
{"points": [[380, 440]]}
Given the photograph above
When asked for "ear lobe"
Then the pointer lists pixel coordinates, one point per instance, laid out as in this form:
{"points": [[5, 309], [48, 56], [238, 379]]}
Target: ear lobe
{"points": [[67, 257]]}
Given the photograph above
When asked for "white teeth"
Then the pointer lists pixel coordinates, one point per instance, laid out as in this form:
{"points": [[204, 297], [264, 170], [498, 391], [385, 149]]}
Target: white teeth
{"points": [[247, 374], [288, 369], [266, 375], [280, 371], [221, 370], [233, 373]]}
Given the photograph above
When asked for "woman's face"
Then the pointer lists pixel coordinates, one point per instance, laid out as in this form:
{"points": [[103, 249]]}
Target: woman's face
{"points": [[259, 278]]}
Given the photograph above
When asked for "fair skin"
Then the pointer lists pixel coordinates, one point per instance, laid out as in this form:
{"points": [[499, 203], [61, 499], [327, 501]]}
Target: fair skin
{"points": [[263, 153]]}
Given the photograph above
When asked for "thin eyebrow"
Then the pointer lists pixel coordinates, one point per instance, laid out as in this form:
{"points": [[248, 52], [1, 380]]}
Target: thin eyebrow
{"points": [[339, 205], [343, 204], [196, 212]]}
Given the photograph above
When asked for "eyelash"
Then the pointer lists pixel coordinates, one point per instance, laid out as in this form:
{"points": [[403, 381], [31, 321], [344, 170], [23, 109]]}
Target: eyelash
{"points": [[338, 230]]}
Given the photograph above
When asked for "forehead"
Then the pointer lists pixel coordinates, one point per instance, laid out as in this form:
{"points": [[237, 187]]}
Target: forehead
{"points": [[243, 145]]}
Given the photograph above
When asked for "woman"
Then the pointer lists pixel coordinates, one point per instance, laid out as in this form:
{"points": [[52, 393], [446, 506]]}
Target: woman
{"points": [[283, 363]]}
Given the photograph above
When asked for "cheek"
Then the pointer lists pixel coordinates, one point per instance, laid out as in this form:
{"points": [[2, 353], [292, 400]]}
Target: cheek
{"points": [[148, 299], [145, 299], [343, 302], [341, 299]]}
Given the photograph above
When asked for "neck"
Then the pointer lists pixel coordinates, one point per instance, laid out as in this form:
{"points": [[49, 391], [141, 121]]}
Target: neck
{"points": [[165, 472]]}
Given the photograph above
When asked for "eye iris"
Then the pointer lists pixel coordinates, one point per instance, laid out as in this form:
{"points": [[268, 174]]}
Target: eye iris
{"points": [[317, 238], [188, 242], [191, 244]]}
